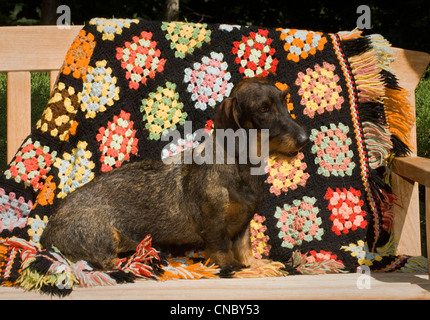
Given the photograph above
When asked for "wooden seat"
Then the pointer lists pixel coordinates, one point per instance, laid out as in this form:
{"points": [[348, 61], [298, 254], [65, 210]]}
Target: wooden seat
{"points": [[43, 48]]}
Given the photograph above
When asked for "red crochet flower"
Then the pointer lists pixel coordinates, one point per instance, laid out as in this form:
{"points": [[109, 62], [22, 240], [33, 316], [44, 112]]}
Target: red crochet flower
{"points": [[255, 55], [31, 164], [347, 213], [117, 141], [140, 59], [321, 256]]}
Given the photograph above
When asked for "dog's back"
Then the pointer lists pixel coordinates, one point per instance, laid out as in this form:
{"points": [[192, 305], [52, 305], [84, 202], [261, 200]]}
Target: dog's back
{"points": [[129, 203]]}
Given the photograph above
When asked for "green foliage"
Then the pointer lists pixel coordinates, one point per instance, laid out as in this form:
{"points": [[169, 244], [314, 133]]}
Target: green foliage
{"points": [[422, 104], [422, 98], [39, 94], [21, 13]]}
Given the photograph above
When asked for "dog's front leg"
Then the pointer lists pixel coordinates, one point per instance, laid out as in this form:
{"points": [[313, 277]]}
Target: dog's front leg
{"points": [[218, 247], [223, 258]]}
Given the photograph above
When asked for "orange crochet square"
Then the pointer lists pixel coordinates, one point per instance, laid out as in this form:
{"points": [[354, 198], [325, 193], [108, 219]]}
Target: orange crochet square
{"points": [[78, 56]]}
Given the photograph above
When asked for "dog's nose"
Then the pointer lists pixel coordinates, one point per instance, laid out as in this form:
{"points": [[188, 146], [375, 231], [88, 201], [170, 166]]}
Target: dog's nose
{"points": [[302, 139]]}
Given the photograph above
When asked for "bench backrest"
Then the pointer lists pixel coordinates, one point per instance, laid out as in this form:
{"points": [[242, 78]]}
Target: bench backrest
{"points": [[35, 48]]}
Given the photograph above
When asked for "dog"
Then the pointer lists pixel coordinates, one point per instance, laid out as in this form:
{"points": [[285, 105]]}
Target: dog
{"points": [[206, 206]]}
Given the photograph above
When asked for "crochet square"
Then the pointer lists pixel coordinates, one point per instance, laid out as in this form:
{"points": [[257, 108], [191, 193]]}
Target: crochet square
{"points": [[259, 241], [74, 169], [362, 253], [117, 141], [321, 256], [255, 56], [100, 90], [110, 27], [208, 81], [57, 118], [162, 111], [78, 56], [185, 37], [13, 211], [284, 175], [346, 210], [301, 43], [31, 164], [36, 225], [319, 89], [299, 222], [141, 59], [46, 195], [331, 147]]}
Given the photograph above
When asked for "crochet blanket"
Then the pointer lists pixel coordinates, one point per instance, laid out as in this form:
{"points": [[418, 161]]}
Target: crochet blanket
{"points": [[125, 83]]}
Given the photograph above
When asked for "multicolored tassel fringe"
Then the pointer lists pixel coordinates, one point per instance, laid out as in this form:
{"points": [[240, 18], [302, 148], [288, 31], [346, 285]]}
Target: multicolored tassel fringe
{"points": [[48, 271], [272, 269], [309, 264], [386, 114]]}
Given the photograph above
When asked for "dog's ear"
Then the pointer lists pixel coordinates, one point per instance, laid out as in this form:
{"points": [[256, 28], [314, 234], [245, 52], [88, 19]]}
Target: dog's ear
{"points": [[284, 94], [227, 115]]}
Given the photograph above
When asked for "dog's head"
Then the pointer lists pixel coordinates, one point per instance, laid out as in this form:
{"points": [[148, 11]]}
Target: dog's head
{"points": [[255, 103]]}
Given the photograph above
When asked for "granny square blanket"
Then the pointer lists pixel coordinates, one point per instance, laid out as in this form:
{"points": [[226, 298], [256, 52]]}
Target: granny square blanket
{"points": [[125, 83]]}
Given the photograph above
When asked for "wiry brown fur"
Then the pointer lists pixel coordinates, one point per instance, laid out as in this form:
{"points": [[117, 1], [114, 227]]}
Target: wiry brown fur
{"points": [[208, 205]]}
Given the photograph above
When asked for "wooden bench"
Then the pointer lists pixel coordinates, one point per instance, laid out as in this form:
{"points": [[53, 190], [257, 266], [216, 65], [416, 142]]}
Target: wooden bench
{"points": [[43, 48]]}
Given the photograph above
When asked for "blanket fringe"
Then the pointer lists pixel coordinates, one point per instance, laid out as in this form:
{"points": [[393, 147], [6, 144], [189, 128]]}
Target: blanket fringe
{"points": [[376, 83], [186, 268], [273, 269], [398, 111], [348, 35], [415, 265], [48, 271], [10, 263], [378, 143], [305, 264], [387, 117], [384, 53], [140, 263], [368, 77]]}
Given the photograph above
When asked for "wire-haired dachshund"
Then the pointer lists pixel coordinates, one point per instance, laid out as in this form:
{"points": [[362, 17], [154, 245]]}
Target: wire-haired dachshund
{"points": [[206, 205]]}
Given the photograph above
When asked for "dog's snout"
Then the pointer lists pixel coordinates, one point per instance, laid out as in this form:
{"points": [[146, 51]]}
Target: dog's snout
{"points": [[302, 139]]}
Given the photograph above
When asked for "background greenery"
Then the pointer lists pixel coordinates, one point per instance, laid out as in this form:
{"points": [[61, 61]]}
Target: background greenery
{"points": [[405, 24]]}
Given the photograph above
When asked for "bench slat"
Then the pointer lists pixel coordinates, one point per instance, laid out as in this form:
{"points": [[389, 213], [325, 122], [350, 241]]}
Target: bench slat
{"points": [[40, 48], [18, 110], [409, 67], [53, 75], [427, 200]]}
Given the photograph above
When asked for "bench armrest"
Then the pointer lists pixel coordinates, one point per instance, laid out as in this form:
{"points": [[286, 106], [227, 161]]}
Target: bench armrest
{"points": [[413, 168]]}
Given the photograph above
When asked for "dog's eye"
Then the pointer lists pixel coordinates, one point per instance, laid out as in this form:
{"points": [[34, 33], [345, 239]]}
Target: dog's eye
{"points": [[264, 109]]}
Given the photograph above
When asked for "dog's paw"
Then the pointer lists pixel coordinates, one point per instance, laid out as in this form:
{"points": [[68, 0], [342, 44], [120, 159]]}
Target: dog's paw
{"points": [[255, 263], [229, 269]]}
